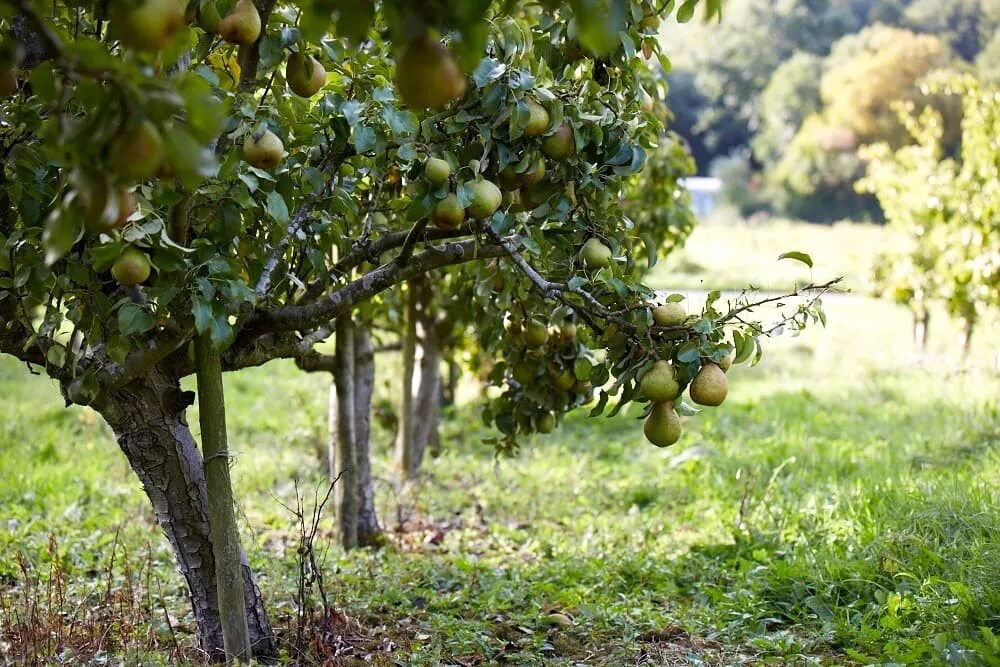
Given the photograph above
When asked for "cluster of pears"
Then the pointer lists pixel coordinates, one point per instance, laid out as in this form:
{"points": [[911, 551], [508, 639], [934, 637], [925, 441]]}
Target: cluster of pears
{"points": [[150, 25], [427, 74], [560, 144], [448, 213], [660, 386]]}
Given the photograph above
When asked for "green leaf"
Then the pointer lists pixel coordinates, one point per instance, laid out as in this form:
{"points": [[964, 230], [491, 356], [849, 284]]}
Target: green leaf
{"points": [[191, 160], [134, 319], [62, 230], [277, 208], [202, 313], [797, 256], [686, 11]]}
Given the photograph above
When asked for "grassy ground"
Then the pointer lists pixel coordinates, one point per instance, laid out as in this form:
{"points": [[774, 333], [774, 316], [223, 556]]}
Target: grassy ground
{"points": [[841, 508]]}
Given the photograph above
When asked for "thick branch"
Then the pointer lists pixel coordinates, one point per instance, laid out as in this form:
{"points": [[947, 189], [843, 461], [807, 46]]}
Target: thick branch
{"points": [[317, 314]]}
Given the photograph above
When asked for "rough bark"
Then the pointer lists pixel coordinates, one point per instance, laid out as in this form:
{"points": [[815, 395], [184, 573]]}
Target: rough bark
{"points": [[369, 533], [422, 381], [346, 457], [221, 504], [147, 416]]}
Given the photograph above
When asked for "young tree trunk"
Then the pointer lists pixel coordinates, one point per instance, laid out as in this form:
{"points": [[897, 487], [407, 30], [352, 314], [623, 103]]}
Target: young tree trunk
{"points": [[221, 504], [147, 417], [356, 408], [369, 533], [921, 329], [346, 458], [421, 404], [968, 326]]}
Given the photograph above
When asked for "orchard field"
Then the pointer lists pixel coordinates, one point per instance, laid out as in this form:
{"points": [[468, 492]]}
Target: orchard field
{"points": [[843, 509]]}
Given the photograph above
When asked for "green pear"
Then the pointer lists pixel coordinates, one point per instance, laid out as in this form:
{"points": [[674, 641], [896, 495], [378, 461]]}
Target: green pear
{"points": [[563, 379], [659, 383], [534, 174], [131, 268], [304, 74], [486, 199], [663, 425], [427, 74], [147, 26], [595, 254], [560, 144], [437, 171], [138, 152], [242, 25], [448, 213], [545, 423], [669, 314], [709, 386], [264, 151], [538, 119], [535, 334]]}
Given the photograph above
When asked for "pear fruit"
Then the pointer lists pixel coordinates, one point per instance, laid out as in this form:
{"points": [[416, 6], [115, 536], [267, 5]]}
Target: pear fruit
{"points": [[709, 386], [535, 334], [242, 25], [545, 423], [595, 254], [509, 179], [8, 81], [659, 384], [560, 144], [567, 331], [534, 174], [427, 74], [669, 314], [131, 268], [304, 74], [264, 151], [148, 26], [138, 152], [663, 425], [448, 213], [538, 119], [437, 171], [647, 102], [563, 380], [486, 199]]}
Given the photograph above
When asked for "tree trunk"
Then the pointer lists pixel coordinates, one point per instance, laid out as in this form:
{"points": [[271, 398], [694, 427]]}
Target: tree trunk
{"points": [[221, 504], [968, 326], [421, 404], [147, 417], [350, 403], [921, 329], [369, 533], [348, 503]]}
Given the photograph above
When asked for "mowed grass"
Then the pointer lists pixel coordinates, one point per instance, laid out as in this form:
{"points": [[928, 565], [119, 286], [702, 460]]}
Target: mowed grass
{"points": [[842, 507]]}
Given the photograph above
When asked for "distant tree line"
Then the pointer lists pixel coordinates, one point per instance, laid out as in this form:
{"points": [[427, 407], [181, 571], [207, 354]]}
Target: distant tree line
{"points": [[782, 97]]}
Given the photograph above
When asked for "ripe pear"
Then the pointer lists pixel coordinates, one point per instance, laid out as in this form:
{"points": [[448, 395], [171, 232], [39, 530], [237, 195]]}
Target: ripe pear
{"points": [[427, 74], [669, 314], [437, 171], [448, 213], [560, 144], [538, 119], [545, 423], [659, 383], [535, 334], [8, 81], [241, 25], [138, 152], [709, 386], [147, 26], [304, 74], [264, 151], [534, 174], [486, 199], [663, 425], [595, 254], [131, 268], [567, 331], [523, 372]]}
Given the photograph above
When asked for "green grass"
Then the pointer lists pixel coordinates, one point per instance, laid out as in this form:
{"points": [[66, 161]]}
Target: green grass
{"points": [[842, 507]]}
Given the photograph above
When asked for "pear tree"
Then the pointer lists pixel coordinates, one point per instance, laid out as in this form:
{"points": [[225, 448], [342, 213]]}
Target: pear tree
{"points": [[183, 195]]}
